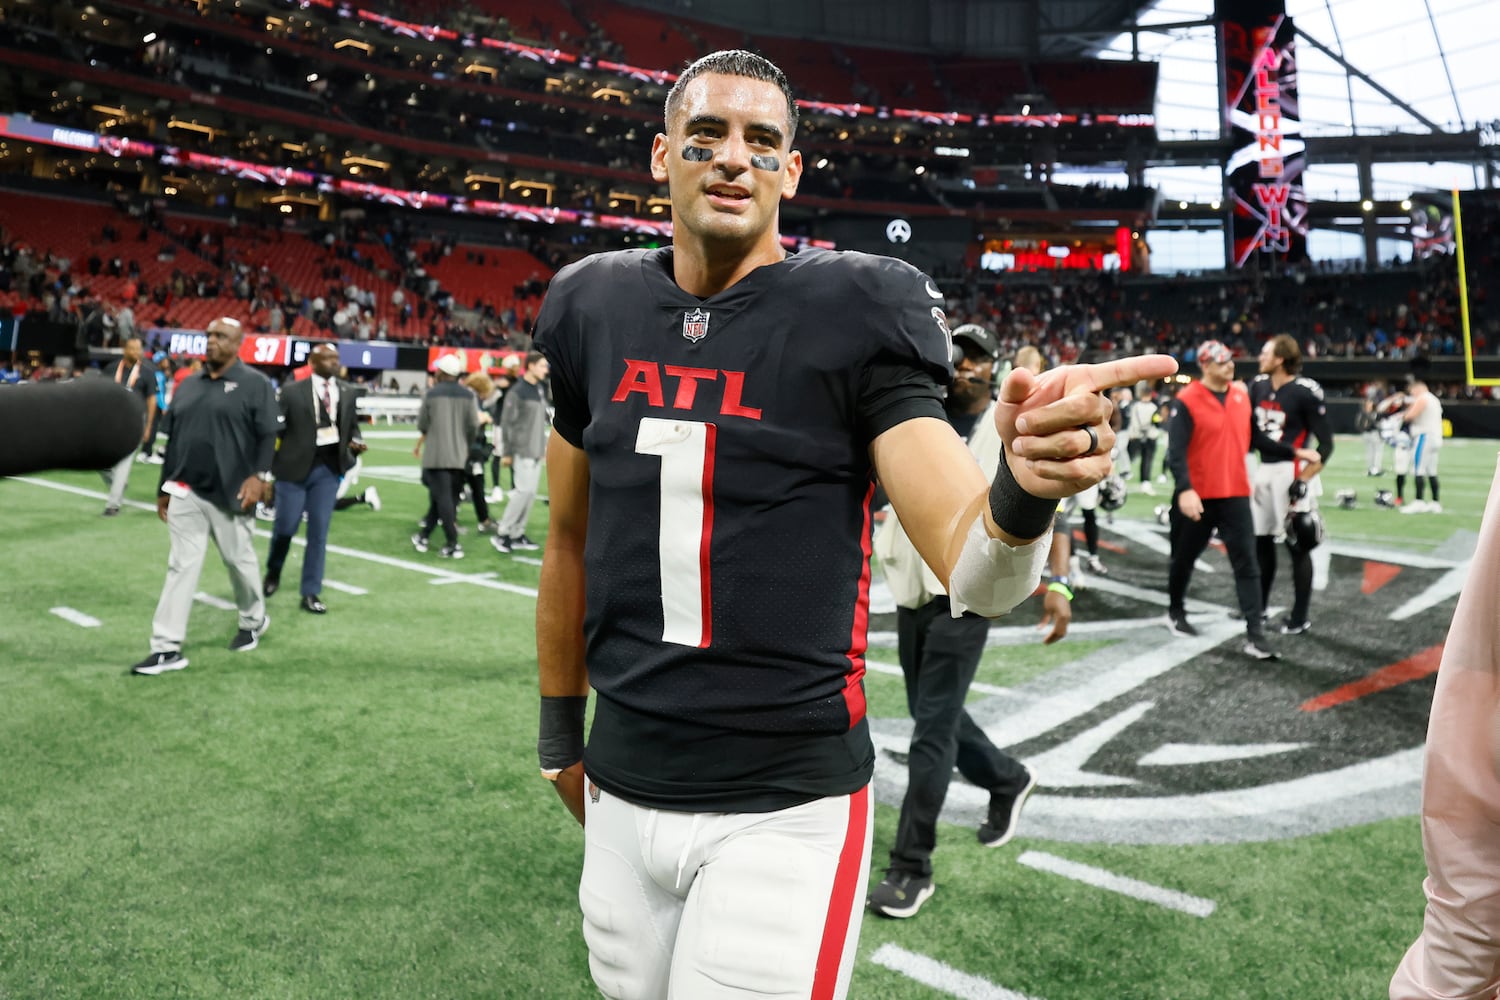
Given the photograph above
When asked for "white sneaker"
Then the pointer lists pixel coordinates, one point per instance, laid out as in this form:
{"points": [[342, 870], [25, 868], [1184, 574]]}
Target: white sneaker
{"points": [[497, 495], [372, 498], [1434, 508], [1415, 507], [155, 460], [1148, 489]]}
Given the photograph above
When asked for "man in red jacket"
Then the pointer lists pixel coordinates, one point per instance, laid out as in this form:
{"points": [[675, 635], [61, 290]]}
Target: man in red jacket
{"points": [[1208, 438]]}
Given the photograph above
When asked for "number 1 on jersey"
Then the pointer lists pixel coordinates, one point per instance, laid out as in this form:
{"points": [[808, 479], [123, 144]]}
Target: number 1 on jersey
{"points": [[686, 449]]}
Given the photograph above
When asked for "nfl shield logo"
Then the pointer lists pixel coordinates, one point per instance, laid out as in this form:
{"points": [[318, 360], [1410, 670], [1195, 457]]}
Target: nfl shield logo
{"points": [[695, 324]]}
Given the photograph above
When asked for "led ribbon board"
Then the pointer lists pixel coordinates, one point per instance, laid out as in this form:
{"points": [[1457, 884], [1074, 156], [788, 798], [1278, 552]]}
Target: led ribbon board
{"points": [[1263, 175]]}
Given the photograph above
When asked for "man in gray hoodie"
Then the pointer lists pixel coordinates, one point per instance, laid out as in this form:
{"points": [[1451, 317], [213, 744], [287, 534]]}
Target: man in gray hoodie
{"points": [[448, 421]]}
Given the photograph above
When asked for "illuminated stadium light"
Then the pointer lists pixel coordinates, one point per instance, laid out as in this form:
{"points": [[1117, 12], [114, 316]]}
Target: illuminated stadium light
{"points": [[351, 161], [1367, 205], [527, 187]]}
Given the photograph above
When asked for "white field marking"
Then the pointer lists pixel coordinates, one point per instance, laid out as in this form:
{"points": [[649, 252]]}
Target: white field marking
{"points": [[215, 602], [1373, 553], [1173, 754], [528, 560], [1196, 906], [1153, 536], [468, 578], [1436, 593], [415, 567], [410, 434], [1325, 791], [80, 491], [345, 588], [76, 617], [392, 473], [1063, 765], [1064, 705], [895, 671], [1025, 635], [945, 978]]}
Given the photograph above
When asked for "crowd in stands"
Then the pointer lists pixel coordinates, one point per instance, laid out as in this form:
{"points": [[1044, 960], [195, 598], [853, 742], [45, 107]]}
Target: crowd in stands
{"points": [[136, 266], [380, 279], [416, 94]]}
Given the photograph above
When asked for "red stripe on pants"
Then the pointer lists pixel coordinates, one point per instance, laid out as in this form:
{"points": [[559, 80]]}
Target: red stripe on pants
{"points": [[842, 900]]}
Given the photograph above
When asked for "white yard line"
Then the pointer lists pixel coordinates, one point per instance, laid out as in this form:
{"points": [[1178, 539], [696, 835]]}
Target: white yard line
{"points": [[1125, 886], [945, 978], [895, 671], [215, 602], [471, 578], [512, 588], [344, 588], [76, 617]]}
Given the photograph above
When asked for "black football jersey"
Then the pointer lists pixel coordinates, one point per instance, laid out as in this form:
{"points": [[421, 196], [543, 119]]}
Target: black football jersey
{"points": [[1285, 418], [729, 510]]}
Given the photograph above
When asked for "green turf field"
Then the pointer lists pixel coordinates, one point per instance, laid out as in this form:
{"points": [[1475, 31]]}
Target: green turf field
{"points": [[353, 809]]}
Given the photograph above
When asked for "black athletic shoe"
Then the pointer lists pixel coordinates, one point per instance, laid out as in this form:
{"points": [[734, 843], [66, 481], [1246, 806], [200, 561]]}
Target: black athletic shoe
{"points": [[419, 543], [1004, 811], [1177, 624], [247, 639], [451, 552], [900, 894], [159, 663], [1289, 627], [522, 544]]}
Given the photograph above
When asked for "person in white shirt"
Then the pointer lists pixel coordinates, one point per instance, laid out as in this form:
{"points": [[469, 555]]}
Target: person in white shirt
{"points": [[1425, 415]]}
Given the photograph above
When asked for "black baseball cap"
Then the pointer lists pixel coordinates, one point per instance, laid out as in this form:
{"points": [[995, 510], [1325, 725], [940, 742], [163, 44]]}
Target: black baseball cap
{"points": [[978, 336]]}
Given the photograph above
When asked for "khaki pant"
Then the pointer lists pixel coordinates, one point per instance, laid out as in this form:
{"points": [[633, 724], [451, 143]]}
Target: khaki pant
{"points": [[116, 477], [192, 521]]}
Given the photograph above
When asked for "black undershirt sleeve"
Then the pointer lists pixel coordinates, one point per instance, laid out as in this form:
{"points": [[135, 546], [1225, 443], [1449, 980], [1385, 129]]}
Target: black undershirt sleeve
{"points": [[1179, 433]]}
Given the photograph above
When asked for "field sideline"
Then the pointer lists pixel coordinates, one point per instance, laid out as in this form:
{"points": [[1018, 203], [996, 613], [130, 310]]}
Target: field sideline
{"points": [[353, 808]]}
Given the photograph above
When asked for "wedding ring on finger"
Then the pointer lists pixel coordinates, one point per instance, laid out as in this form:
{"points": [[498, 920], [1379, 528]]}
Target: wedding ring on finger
{"points": [[1093, 447]]}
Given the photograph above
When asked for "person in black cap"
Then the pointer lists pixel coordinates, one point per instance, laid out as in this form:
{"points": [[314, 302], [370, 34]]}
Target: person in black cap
{"points": [[939, 655]]}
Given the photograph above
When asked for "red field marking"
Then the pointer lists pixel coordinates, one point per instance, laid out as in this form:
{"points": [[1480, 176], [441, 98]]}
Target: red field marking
{"points": [[1107, 546], [1410, 669], [1377, 575]]}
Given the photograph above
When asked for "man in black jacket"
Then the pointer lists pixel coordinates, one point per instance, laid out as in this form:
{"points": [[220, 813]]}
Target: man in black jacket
{"points": [[318, 442]]}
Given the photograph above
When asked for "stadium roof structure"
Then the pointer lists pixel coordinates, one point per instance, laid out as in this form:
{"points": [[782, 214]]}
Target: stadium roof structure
{"points": [[1366, 68]]}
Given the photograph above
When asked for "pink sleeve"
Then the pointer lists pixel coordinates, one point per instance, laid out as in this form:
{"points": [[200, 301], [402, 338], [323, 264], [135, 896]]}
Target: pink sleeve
{"points": [[1458, 955]]}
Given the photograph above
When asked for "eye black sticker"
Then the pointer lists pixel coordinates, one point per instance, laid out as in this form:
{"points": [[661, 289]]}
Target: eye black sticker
{"points": [[697, 154], [765, 161]]}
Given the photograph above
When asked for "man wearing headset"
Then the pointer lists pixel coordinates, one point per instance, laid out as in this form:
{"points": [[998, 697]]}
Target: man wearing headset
{"points": [[939, 655]]}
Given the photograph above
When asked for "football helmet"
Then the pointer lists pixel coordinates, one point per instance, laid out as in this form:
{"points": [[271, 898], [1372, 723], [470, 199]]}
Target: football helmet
{"points": [[1304, 530], [1112, 492]]}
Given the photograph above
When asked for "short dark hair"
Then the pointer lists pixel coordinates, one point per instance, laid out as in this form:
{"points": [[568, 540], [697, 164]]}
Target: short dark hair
{"points": [[1284, 346], [532, 357], [733, 62]]}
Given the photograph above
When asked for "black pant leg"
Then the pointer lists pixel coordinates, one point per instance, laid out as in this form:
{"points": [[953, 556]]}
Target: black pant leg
{"points": [[950, 653], [1237, 532], [1189, 539], [1265, 558]]}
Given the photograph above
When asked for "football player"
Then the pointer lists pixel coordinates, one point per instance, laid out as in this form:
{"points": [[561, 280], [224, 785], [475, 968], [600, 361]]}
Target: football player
{"points": [[1286, 409], [723, 406]]}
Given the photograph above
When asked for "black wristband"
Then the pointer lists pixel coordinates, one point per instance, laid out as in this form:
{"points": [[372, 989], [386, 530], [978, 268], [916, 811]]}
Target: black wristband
{"points": [[559, 741], [1017, 512]]}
